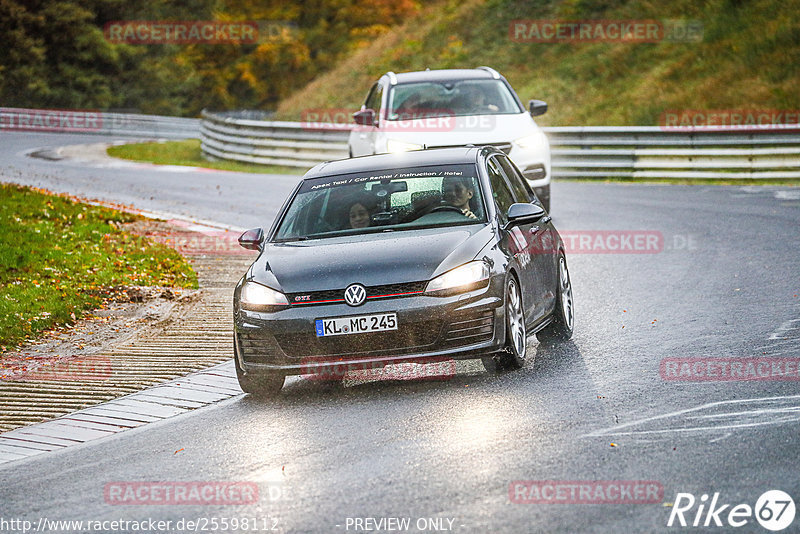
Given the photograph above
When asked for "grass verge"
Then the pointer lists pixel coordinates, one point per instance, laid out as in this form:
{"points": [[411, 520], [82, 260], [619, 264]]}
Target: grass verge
{"points": [[187, 152], [60, 258]]}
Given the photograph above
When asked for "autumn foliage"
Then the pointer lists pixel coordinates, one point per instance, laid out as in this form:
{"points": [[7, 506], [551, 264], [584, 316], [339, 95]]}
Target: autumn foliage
{"points": [[57, 56]]}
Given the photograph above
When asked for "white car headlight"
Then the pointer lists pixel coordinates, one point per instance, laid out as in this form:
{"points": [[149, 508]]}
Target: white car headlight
{"points": [[394, 146], [257, 297], [465, 278], [531, 141]]}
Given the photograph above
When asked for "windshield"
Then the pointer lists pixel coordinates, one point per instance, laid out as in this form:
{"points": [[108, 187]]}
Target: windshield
{"points": [[450, 98], [390, 200]]}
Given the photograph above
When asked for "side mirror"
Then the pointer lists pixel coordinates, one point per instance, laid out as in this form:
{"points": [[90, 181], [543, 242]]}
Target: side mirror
{"points": [[365, 117], [251, 239], [522, 213], [537, 107]]}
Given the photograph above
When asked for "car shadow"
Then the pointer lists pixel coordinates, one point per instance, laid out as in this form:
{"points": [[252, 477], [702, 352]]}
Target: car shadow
{"points": [[558, 367], [310, 391]]}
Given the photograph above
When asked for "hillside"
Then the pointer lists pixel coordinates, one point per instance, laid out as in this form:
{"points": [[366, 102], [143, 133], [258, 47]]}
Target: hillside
{"points": [[748, 59]]}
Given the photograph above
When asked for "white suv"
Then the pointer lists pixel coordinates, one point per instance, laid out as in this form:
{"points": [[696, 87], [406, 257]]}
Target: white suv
{"points": [[439, 108]]}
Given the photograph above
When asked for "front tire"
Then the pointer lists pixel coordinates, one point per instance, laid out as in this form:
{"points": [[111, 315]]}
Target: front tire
{"points": [[561, 328], [264, 384], [513, 355]]}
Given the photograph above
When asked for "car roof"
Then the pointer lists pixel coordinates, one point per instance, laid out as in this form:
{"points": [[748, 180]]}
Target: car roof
{"points": [[443, 75], [415, 158]]}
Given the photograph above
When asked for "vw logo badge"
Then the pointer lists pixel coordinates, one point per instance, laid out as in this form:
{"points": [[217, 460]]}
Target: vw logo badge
{"points": [[355, 294]]}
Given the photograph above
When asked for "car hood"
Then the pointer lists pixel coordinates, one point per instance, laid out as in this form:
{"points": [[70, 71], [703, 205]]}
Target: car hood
{"points": [[463, 130], [372, 259]]}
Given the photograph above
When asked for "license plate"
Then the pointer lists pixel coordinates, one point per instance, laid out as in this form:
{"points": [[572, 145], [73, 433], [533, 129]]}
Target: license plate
{"points": [[340, 326]]}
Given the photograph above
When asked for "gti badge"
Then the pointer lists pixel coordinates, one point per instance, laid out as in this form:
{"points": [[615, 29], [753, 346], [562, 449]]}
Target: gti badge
{"points": [[355, 294]]}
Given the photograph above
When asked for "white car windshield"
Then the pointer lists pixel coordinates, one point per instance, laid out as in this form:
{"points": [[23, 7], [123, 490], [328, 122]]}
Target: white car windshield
{"points": [[380, 201], [450, 98]]}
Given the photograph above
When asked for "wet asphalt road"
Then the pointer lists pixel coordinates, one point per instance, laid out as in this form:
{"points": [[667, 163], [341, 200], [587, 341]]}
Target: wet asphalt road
{"points": [[725, 285]]}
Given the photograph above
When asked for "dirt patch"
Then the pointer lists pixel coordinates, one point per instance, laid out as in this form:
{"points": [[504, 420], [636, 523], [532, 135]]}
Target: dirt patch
{"points": [[128, 311]]}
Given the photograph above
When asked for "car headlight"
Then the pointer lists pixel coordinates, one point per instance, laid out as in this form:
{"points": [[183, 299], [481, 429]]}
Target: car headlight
{"points": [[257, 297], [393, 145], [469, 276], [530, 141]]}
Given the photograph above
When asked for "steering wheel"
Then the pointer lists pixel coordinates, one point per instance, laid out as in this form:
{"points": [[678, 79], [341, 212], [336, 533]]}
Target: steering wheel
{"points": [[447, 208]]}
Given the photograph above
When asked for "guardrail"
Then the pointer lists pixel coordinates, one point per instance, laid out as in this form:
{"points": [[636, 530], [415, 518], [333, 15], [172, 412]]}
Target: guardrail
{"points": [[292, 144], [655, 152], [771, 152], [97, 122]]}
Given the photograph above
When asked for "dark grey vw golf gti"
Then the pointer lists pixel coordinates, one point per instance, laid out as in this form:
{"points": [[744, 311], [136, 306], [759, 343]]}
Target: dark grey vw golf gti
{"points": [[411, 257]]}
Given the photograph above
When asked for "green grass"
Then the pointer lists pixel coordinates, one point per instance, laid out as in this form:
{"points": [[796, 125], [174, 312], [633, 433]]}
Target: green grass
{"points": [[187, 152], [60, 258], [747, 59]]}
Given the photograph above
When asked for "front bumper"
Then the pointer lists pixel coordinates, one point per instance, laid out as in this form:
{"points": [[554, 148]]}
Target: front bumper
{"points": [[461, 326]]}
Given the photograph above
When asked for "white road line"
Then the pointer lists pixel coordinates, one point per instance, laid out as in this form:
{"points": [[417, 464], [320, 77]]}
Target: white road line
{"points": [[618, 430]]}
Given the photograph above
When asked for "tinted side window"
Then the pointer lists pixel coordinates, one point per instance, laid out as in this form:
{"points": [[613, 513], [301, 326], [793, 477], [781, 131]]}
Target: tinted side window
{"points": [[503, 197], [518, 186], [374, 99]]}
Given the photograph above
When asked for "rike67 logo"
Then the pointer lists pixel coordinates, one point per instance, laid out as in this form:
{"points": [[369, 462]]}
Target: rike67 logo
{"points": [[774, 510]]}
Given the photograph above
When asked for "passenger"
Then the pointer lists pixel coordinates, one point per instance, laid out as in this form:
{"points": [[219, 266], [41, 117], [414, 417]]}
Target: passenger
{"points": [[360, 211], [457, 191]]}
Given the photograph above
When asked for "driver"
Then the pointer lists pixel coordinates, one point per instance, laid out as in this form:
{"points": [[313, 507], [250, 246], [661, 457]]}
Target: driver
{"points": [[476, 100], [457, 192]]}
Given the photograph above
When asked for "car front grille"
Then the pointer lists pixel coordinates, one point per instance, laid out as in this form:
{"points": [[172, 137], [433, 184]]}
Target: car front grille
{"points": [[336, 296], [470, 328], [409, 338], [257, 347]]}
